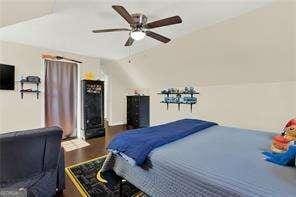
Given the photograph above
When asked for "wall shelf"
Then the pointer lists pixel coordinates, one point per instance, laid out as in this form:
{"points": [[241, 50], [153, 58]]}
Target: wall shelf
{"points": [[180, 93], [183, 97], [34, 91]]}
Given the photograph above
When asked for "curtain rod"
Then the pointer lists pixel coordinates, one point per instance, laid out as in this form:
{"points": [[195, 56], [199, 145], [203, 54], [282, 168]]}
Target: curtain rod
{"points": [[56, 57]]}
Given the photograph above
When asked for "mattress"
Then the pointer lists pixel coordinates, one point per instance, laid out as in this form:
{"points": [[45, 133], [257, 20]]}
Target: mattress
{"points": [[218, 161]]}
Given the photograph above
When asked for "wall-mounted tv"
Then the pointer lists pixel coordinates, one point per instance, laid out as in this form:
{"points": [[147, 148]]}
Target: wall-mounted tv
{"points": [[6, 77]]}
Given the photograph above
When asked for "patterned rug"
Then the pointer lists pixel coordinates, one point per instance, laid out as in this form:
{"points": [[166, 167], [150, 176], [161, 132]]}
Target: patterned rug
{"points": [[84, 177], [74, 144]]}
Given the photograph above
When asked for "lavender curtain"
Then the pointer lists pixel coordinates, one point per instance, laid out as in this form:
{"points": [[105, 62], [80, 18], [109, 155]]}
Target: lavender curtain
{"points": [[61, 96]]}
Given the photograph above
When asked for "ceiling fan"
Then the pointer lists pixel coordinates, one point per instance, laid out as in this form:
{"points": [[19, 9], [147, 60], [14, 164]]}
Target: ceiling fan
{"points": [[139, 28]]}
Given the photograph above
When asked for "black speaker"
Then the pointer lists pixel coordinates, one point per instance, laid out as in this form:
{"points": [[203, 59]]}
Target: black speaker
{"points": [[92, 108]]}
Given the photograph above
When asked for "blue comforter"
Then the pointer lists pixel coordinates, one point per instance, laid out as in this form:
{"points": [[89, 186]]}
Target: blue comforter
{"points": [[138, 143]]}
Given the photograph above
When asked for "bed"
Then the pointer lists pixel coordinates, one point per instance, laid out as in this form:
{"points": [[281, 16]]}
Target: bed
{"points": [[216, 161]]}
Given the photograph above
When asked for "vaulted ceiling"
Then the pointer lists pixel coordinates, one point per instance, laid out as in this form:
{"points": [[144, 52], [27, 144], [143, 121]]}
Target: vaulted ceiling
{"points": [[66, 25], [15, 11]]}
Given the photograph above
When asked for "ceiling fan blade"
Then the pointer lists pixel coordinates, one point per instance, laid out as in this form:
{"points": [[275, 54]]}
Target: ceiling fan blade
{"points": [[157, 37], [164, 22], [122, 12], [110, 30], [129, 42]]}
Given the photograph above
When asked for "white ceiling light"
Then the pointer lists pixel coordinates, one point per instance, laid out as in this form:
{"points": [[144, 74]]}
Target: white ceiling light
{"points": [[137, 35]]}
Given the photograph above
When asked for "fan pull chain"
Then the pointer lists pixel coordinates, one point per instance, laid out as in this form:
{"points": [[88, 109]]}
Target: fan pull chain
{"points": [[129, 55]]}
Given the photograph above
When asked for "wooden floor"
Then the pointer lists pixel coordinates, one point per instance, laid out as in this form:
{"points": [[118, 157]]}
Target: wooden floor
{"points": [[96, 148]]}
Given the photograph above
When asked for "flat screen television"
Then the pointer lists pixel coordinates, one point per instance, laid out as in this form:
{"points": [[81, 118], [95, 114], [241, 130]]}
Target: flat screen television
{"points": [[6, 77]]}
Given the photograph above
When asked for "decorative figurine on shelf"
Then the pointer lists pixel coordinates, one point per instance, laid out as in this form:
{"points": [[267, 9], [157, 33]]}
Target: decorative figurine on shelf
{"points": [[284, 146], [164, 91], [33, 79], [188, 100], [136, 92], [89, 76]]}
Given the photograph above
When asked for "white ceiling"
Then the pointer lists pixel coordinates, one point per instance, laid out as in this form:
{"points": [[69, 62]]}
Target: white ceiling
{"points": [[68, 27], [14, 11]]}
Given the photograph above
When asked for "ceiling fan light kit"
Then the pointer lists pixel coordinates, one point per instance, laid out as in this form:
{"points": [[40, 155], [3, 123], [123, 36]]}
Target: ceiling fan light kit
{"points": [[139, 28], [137, 34]]}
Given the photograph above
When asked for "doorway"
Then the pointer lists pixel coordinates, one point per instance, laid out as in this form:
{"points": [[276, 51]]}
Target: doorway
{"points": [[61, 96]]}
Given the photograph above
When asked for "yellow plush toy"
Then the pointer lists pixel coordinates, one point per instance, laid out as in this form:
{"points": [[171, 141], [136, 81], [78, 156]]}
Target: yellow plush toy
{"points": [[283, 146]]}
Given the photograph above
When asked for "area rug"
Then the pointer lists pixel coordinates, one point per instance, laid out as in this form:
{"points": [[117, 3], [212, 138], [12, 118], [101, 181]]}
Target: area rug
{"points": [[74, 144], [84, 177]]}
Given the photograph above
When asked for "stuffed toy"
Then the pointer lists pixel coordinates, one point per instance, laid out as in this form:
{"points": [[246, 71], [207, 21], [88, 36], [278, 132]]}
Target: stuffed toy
{"points": [[280, 143], [290, 130], [283, 146], [286, 158]]}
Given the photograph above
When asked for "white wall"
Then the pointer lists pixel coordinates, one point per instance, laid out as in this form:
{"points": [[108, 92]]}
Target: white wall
{"points": [[28, 113], [118, 81], [245, 69], [265, 106]]}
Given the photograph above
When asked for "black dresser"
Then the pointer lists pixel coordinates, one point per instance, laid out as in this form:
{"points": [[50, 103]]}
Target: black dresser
{"points": [[138, 112], [92, 108]]}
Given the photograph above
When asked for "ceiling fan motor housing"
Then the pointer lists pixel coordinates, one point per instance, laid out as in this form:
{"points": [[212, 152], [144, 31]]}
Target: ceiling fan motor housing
{"points": [[140, 20]]}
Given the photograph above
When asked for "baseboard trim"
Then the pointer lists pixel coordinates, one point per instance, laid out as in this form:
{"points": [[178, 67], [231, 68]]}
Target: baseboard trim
{"points": [[117, 123]]}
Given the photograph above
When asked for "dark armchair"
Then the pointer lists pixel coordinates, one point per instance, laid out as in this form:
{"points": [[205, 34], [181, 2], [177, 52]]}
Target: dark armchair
{"points": [[32, 161]]}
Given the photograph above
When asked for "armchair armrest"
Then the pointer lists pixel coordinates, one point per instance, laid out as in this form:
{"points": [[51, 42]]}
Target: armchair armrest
{"points": [[61, 171]]}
